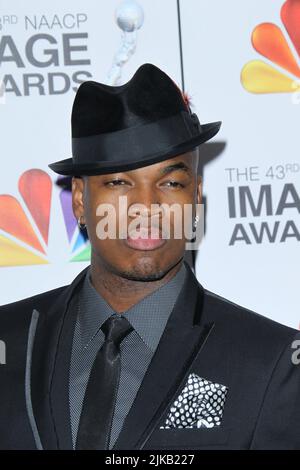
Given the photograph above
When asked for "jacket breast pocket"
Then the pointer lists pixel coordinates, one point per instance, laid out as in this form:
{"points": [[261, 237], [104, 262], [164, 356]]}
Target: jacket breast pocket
{"points": [[189, 438]]}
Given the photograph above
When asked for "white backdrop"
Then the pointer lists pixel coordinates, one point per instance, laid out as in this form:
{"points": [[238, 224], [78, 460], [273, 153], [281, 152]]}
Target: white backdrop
{"points": [[260, 131], [259, 136]]}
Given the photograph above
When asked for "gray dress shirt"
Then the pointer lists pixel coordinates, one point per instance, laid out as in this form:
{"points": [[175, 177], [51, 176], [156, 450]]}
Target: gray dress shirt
{"points": [[148, 317]]}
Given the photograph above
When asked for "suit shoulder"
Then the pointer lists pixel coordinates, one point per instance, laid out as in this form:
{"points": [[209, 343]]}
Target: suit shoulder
{"points": [[41, 300], [241, 318], [34, 301]]}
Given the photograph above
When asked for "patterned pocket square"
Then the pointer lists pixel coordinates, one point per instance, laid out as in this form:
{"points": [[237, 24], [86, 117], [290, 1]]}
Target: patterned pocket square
{"points": [[200, 404]]}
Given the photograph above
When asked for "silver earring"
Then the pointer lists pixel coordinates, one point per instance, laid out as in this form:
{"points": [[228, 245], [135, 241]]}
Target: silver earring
{"points": [[196, 220], [81, 226]]}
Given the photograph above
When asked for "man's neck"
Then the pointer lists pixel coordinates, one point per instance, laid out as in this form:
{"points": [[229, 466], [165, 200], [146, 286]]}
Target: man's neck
{"points": [[122, 293]]}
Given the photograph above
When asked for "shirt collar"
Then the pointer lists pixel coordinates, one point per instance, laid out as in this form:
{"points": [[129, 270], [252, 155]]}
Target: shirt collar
{"points": [[148, 317]]}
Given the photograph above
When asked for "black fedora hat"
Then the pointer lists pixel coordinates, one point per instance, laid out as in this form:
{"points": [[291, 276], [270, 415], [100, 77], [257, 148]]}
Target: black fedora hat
{"points": [[121, 128]]}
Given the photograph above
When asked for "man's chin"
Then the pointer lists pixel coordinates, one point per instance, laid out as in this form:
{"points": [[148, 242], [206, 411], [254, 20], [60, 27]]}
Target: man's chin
{"points": [[144, 270]]}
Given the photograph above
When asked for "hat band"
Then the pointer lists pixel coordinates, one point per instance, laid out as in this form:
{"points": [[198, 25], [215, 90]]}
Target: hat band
{"points": [[131, 143]]}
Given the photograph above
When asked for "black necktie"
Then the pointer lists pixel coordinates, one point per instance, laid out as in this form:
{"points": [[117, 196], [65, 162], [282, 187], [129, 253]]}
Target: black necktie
{"points": [[101, 392]]}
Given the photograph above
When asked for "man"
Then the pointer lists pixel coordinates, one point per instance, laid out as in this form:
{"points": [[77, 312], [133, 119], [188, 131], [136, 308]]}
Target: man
{"points": [[135, 353]]}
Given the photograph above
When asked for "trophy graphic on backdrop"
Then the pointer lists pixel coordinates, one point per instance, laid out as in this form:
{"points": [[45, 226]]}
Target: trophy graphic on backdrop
{"points": [[129, 16]]}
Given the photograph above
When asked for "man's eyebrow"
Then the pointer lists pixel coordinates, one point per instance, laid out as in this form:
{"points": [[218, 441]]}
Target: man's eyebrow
{"points": [[176, 166]]}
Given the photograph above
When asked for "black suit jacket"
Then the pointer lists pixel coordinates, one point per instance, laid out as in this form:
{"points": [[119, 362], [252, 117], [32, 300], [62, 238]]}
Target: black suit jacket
{"points": [[206, 335]]}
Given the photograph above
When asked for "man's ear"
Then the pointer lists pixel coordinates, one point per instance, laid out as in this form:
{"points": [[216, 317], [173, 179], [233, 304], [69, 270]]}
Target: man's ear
{"points": [[77, 198]]}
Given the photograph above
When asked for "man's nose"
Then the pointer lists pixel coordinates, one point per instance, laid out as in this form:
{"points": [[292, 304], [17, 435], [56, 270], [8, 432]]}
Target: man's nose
{"points": [[145, 202]]}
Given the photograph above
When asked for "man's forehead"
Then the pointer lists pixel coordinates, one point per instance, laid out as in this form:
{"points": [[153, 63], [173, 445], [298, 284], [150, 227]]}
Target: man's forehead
{"points": [[184, 161]]}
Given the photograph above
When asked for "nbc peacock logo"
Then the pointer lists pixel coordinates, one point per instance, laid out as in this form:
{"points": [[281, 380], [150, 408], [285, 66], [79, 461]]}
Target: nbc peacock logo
{"points": [[25, 223], [281, 47]]}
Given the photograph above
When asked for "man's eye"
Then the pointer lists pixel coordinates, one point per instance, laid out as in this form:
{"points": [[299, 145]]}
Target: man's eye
{"points": [[115, 183], [174, 184]]}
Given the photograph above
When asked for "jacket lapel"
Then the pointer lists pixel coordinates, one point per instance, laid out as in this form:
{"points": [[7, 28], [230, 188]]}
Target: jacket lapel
{"points": [[59, 391], [173, 359], [50, 369]]}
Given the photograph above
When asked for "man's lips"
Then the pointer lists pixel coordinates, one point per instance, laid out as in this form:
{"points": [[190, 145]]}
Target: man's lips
{"points": [[146, 240]]}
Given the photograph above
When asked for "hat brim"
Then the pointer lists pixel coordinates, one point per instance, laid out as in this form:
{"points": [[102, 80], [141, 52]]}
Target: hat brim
{"points": [[68, 168]]}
